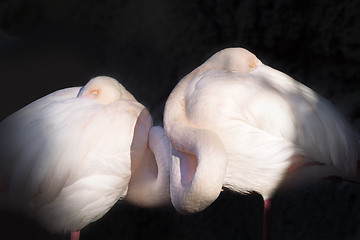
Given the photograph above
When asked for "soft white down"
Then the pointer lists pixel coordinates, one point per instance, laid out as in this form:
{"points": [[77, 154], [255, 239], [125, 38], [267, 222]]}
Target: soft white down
{"points": [[238, 124], [68, 157]]}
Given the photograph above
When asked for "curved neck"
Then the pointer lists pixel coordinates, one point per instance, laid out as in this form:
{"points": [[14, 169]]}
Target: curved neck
{"points": [[161, 148], [150, 160], [199, 159]]}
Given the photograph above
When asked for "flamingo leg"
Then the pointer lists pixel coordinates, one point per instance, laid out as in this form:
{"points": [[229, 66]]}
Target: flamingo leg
{"points": [[267, 219], [75, 235]]}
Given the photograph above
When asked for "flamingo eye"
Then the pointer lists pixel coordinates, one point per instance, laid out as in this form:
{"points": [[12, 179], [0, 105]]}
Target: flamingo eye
{"points": [[94, 93], [252, 64]]}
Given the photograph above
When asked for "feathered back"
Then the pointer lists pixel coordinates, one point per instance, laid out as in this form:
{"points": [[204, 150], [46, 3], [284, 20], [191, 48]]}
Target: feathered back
{"points": [[66, 160]]}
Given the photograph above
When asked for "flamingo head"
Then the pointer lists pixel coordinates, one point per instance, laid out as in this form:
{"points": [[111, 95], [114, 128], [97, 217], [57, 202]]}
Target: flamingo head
{"points": [[234, 59], [105, 90]]}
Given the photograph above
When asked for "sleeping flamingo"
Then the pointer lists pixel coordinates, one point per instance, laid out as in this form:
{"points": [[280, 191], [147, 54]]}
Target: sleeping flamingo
{"points": [[68, 157], [238, 124]]}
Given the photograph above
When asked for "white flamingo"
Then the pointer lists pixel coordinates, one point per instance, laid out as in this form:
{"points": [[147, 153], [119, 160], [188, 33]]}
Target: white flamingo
{"points": [[238, 124], [68, 157]]}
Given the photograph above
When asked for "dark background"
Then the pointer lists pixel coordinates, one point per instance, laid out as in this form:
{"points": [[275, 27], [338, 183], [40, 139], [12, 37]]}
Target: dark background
{"points": [[149, 46]]}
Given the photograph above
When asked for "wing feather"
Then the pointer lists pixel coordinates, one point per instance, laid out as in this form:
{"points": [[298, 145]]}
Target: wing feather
{"points": [[58, 140], [275, 104]]}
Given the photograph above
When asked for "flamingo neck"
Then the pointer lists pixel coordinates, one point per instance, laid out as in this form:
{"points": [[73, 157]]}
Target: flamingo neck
{"points": [[150, 160], [199, 159]]}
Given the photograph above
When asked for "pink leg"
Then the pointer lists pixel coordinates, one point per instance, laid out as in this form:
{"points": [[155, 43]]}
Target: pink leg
{"points": [[75, 235], [267, 219]]}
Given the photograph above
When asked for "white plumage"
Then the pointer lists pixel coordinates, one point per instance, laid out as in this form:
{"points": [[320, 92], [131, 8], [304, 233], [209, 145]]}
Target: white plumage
{"points": [[67, 157], [239, 124]]}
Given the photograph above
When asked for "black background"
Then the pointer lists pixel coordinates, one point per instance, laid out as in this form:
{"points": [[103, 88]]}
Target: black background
{"points": [[149, 46]]}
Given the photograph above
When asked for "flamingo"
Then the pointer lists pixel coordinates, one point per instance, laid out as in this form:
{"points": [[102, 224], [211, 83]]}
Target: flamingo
{"points": [[240, 125], [68, 157]]}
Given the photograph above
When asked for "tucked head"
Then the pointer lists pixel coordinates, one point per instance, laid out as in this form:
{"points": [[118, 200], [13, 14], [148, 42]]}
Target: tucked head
{"points": [[104, 90], [234, 59]]}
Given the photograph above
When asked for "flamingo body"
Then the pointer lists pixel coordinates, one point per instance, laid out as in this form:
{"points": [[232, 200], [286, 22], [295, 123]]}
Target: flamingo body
{"points": [[262, 126], [66, 158]]}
